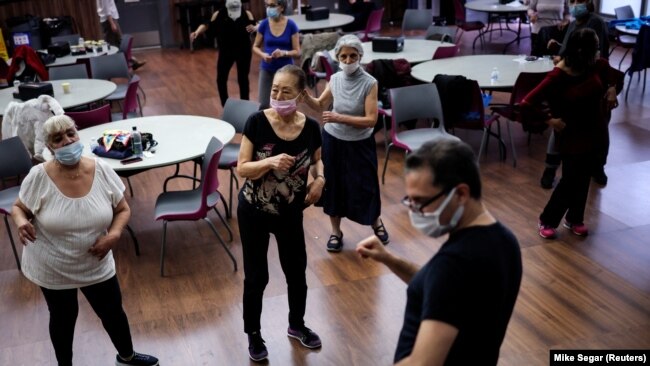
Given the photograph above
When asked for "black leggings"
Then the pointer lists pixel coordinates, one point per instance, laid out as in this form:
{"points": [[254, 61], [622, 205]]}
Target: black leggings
{"points": [[226, 59], [255, 227], [106, 300]]}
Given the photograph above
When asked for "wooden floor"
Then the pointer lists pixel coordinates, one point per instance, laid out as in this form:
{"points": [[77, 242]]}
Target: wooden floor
{"points": [[584, 293]]}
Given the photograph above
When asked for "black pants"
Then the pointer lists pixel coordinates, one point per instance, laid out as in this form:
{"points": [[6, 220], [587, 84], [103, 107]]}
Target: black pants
{"points": [[226, 59], [255, 227], [570, 194], [106, 300]]}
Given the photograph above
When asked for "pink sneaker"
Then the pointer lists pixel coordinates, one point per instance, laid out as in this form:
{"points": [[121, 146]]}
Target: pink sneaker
{"points": [[578, 229], [546, 231]]}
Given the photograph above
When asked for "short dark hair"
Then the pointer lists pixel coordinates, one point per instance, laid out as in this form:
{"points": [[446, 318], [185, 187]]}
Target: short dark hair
{"points": [[451, 162], [297, 72], [581, 48]]}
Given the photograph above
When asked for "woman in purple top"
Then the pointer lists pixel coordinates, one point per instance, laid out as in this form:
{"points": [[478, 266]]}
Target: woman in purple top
{"points": [[276, 43]]}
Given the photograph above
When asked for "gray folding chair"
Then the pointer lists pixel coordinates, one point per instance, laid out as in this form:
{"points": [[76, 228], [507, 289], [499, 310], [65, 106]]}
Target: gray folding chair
{"points": [[76, 71], [109, 67], [235, 112], [416, 19]]}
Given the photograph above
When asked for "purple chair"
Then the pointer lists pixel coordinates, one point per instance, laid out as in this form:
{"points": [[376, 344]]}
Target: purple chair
{"points": [[415, 102], [132, 107], [446, 52], [465, 26], [92, 117], [194, 204], [373, 25], [15, 163]]}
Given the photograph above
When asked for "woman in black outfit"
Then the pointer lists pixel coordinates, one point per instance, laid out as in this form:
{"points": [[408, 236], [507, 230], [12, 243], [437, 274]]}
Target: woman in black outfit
{"points": [[232, 27], [279, 148]]}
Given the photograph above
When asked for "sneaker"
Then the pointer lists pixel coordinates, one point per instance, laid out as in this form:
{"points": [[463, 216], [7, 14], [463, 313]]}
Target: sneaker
{"points": [[335, 243], [548, 178], [381, 233], [306, 336], [578, 229], [256, 348], [138, 359], [137, 65], [600, 177], [546, 231]]}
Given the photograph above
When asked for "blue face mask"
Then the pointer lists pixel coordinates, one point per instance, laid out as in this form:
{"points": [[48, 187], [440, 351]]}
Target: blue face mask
{"points": [[579, 10], [272, 12], [69, 154]]}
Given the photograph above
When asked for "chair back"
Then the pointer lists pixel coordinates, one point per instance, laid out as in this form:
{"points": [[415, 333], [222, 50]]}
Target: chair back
{"points": [[446, 52], [76, 71], [15, 160], [209, 169], [641, 51], [72, 39], [416, 19], [126, 45], [440, 33], [624, 12], [525, 83], [131, 104], [237, 111], [374, 23], [92, 117], [474, 117], [459, 12], [109, 66], [415, 102], [326, 64]]}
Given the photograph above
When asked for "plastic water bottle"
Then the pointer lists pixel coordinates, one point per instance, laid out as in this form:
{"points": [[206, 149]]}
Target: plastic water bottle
{"points": [[136, 142], [16, 86], [494, 76]]}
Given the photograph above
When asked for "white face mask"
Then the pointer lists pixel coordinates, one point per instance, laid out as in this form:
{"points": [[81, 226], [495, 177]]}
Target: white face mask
{"points": [[429, 223], [349, 69], [234, 9]]}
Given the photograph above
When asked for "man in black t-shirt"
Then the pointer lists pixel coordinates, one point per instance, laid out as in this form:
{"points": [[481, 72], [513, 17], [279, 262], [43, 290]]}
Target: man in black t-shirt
{"points": [[459, 304]]}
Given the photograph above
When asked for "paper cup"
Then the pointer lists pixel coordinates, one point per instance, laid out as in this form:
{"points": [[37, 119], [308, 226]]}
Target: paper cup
{"points": [[66, 88]]}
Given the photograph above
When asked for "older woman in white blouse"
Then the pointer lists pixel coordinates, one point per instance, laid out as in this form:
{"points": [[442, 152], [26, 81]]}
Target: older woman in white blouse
{"points": [[70, 213]]}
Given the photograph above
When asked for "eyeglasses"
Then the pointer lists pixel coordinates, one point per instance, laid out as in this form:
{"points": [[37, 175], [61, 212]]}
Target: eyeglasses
{"points": [[417, 207], [271, 5]]}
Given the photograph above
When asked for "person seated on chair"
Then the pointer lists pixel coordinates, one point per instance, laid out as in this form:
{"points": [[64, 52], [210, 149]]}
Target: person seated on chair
{"points": [[233, 28], [70, 214], [279, 147], [349, 152], [360, 10], [459, 304]]}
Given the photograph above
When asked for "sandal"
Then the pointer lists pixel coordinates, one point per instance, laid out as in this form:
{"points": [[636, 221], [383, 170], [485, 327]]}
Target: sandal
{"points": [[381, 233], [335, 243]]}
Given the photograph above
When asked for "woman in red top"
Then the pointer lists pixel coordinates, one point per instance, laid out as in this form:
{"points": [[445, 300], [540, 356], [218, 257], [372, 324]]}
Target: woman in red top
{"points": [[574, 92]]}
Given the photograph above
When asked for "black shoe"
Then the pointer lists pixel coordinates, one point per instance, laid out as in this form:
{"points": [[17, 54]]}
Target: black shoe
{"points": [[335, 243], [600, 177], [138, 359], [137, 65], [548, 178], [256, 348], [381, 233]]}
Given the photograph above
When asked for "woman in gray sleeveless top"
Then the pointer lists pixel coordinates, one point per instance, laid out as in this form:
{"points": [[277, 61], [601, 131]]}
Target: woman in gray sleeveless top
{"points": [[349, 153]]}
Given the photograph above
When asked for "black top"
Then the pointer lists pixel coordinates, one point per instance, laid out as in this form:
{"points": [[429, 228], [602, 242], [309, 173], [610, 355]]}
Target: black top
{"points": [[278, 193], [472, 284], [232, 34]]}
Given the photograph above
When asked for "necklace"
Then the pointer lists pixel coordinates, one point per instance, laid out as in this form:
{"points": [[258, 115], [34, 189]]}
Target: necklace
{"points": [[70, 176]]}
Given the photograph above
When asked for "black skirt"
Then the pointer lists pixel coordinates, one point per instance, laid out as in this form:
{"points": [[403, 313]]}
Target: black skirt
{"points": [[352, 184]]}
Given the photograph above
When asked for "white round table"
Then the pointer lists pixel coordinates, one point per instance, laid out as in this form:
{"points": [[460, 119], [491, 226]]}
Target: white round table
{"points": [[415, 51], [479, 68], [82, 91], [335, 20], [494, 7], [69, 59], [180, 138], [623, 29]]}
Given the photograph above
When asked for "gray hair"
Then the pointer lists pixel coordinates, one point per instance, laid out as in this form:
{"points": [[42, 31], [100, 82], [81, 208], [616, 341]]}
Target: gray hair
{"points": [[55, 125], [348, 40]]}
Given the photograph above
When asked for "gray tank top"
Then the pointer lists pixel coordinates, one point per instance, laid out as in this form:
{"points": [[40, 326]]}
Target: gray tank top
{"points": [[349, 95]]}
